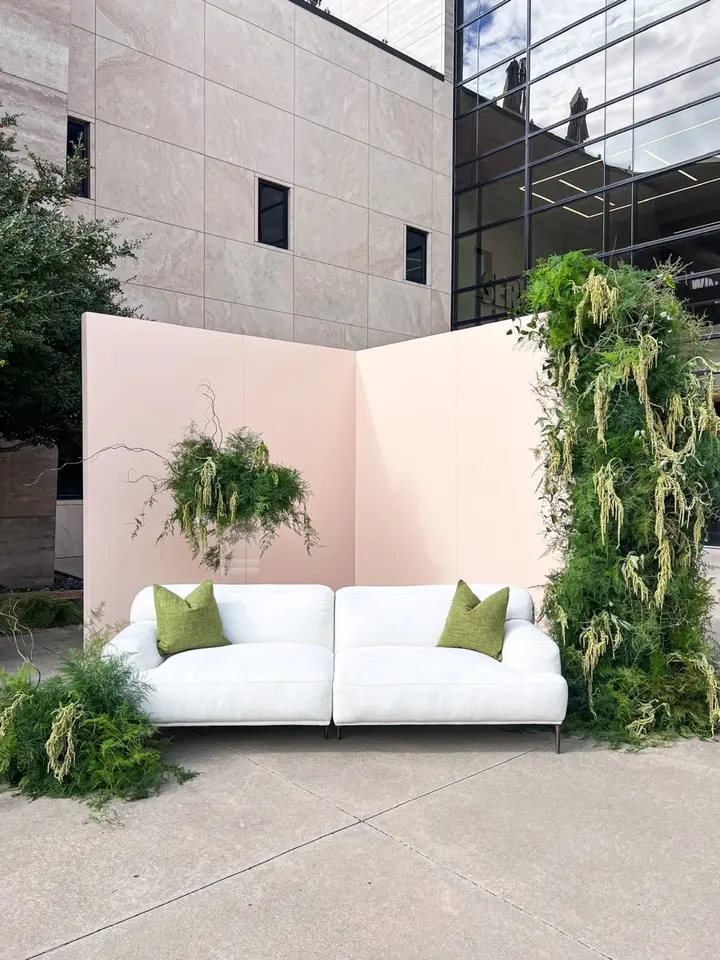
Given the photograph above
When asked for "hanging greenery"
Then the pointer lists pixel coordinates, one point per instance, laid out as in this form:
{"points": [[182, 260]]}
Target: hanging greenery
{"points": [[225, 489], [631, 454]]}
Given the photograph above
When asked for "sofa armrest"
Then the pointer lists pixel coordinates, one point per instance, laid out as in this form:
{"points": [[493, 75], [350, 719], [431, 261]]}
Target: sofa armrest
{"points": [[137, 643], [528, 649]]}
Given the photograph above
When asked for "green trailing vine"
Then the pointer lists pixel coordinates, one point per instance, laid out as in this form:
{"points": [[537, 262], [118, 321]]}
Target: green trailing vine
{"points": [[225, 489], [631, 454], [82, 733]]}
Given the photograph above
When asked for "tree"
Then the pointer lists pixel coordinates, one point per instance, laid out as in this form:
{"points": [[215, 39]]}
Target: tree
{"points": [[631, 450], [52, 269]]}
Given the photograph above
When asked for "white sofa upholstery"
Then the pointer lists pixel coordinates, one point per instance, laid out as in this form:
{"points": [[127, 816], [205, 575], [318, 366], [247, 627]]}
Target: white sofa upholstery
{"points": [[389, 669], [278, 669]]}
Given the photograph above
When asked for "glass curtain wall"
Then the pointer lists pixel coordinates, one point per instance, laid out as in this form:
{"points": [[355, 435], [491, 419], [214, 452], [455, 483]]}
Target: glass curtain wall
{"points": [[584, 125]]}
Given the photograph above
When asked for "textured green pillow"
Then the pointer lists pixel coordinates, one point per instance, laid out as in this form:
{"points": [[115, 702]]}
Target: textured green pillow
{"points": [[474, 624], [190, 623]]}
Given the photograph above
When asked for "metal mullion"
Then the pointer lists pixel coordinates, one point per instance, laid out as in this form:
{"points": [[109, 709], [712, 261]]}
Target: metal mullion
{"points": [[527, 252]]}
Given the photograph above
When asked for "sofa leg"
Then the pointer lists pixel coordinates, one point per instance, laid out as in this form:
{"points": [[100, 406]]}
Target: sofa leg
{"points": [[338, 733], [327, 733], [558, 727]]}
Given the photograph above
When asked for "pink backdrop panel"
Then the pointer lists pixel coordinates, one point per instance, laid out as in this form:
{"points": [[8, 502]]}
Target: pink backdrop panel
{"points": [[142, 387]]}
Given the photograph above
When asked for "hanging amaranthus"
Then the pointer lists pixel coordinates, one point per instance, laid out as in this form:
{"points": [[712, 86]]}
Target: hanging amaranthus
{"points": [[631, 451]]}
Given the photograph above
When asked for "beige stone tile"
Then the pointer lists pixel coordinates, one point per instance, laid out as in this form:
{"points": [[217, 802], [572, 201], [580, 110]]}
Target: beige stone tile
{"points": [[35, 47], [399, 306], [331, 163], [165, 306], [252, 321], [381, 338], [229, 201], [633, 845], [276, 16], [330, 293], [81, 79], [440, 252], [331, 96], [443, 97], [248, 133], [232, 816], [42, 126], [330, 230], [169, 31], [386, 247], [332, 42], [439, 312], [400, 189], [395, 74], [249, 59], [356, 895], [441, 203], [245, 273], [170, 257], [82, 14], [328, 333], [149, 96], [400, 126], [81, 208], [442, 143], [135, 174]]}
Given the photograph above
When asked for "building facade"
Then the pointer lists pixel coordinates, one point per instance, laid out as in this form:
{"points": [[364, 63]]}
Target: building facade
{"points": [[280, 164], [584, 125]]}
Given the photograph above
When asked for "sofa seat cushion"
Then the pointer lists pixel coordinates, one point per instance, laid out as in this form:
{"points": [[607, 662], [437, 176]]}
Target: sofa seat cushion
{"points": [[440, 685], [243, 683]]}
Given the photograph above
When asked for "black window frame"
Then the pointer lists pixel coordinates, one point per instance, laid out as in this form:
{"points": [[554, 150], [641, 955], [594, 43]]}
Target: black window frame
{"points": [[282, 242], [421, 240], [78, 133]]}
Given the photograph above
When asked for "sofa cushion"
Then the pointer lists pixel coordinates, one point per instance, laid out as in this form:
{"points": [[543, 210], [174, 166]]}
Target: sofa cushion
{"points": [[187, 623], [440, 685], [474, 624], [243, 683]]}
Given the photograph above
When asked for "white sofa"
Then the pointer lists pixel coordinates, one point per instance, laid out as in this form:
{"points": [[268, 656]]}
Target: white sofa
{"points": [[389, 669], [278, 669]]}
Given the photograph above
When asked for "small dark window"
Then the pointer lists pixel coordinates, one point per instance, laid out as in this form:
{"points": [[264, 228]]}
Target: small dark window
{"points": [[273, 214], [416, 256], [78, 143]]}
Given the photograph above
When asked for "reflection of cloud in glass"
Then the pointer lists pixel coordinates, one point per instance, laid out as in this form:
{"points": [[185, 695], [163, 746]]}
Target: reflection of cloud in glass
{"points": [[495, 37]]}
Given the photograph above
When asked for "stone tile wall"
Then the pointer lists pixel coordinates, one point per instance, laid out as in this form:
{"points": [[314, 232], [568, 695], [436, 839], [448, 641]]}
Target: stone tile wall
{"points": [[191, 102]]}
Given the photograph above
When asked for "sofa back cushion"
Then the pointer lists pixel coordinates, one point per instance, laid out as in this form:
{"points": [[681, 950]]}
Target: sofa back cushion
{"points": [[410, 616], [261, 613]]}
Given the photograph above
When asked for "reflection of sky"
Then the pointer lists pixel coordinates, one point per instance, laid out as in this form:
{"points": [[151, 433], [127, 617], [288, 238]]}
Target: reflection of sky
{"points": [[497, 36], [415, 27]]}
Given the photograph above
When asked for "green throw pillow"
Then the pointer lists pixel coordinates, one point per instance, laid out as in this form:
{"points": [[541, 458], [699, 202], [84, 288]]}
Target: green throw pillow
{"points": [[475, 624], [190, 623]]}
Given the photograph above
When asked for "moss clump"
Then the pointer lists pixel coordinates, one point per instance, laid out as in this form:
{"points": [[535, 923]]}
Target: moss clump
{"points": [[81, 734], [631, 453]]}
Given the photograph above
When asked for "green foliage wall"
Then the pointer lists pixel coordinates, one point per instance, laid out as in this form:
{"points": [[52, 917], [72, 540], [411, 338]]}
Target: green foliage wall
{"points": [[631, 456]]}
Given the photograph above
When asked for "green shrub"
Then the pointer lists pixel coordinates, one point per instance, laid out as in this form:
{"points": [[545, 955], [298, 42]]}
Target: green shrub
{"points": [[631, 450], [36, 611], [81, 734]]}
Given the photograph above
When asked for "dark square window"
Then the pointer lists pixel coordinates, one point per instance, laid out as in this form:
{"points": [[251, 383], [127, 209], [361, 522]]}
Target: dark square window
{"points": [[273, 214], [416, 256], [78, 144]]}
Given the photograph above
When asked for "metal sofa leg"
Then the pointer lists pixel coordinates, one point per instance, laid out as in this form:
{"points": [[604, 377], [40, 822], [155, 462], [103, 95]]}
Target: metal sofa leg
{"points": [[558, 727], [327, 733], [338, 733]]}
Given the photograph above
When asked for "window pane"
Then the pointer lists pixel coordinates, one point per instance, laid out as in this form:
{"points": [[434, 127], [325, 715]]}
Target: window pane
{"points": [[677, 138], [491, 255], [493, 165], [678, 200], [702, 82], [584, 38], [501, 81], [273, 215], [699, 254], [547, 18], [576, 226], [485, 130], [497, 36], [491, 300], [416, 256], [78, 144], [565, 177], [618, 205], [499, 200], [677, 44], [555, 98]]}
